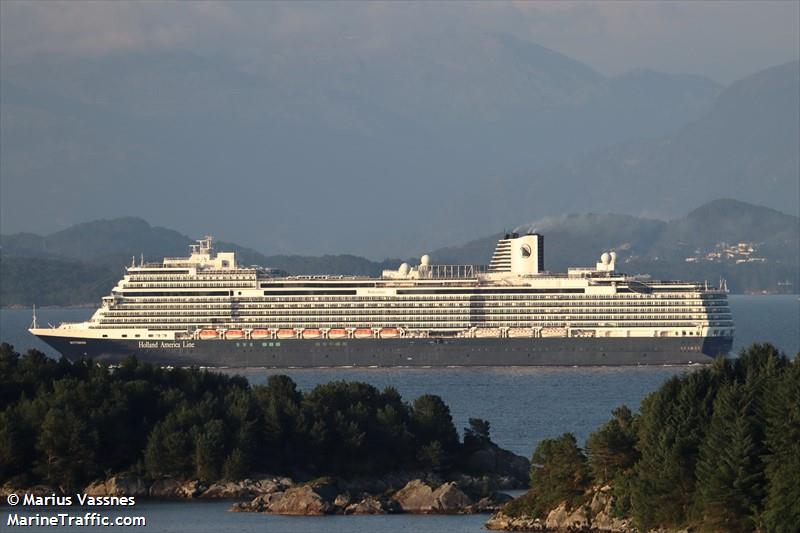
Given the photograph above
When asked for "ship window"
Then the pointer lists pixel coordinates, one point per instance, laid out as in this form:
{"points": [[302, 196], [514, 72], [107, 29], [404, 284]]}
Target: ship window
{"points": [[277, 344], [105, 335], [124, 335], [137, 335]]}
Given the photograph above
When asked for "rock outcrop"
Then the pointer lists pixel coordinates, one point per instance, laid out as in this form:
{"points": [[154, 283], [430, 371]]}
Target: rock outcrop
{"points": [[419, 497], [449, 499], [36, 490], [492, 503], [118, 486], [176, 489], [303, 500], [415, 497], [596, 516], [370, 504]]}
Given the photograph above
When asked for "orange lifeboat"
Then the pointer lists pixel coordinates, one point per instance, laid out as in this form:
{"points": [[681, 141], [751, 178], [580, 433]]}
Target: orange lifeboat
{"points": [[286, 334], [389, 333], [234, 334], [337, 333], [362, 333], [312, 333], [208, 334], [259, 334]]}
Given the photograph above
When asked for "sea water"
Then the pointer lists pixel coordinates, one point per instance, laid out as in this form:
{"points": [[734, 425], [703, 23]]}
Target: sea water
{"points": [[523, 406]]}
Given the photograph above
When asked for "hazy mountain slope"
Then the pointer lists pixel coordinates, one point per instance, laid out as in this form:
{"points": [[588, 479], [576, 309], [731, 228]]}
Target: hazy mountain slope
{"points": [[661, 248], [572, 240], [745, 147], [81, 263], [732, 221], [295, 154]]}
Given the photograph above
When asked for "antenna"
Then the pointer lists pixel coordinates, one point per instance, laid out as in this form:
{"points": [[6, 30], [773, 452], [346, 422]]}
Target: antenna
{"points": [[141, 260], [33, 323], [133, 261]]}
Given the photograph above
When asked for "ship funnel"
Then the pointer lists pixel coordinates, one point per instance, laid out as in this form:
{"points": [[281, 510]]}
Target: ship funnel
{"points": [[519, 255]]}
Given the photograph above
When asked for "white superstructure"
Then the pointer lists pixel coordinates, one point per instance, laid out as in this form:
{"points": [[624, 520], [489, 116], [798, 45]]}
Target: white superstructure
{"points": [[207, 296]]}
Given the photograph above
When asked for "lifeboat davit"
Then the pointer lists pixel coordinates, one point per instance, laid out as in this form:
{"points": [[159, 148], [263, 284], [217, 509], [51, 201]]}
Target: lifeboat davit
{"points": [[286, 334], [312, 333], [337, 333], [259, 334], [389, 333], [234, 334], [362, 333], [207, 334]]}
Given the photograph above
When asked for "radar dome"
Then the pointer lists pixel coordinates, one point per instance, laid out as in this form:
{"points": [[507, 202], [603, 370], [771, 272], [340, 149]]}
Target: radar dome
{"points": [[425, 260], [613, 256], [404, 269], [605, 258]]}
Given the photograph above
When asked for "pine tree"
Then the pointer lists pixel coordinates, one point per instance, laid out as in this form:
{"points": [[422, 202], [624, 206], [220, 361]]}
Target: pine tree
{"points": [[611, 449], [782, 502], [729, 473], [671, 427], [559, 472]]}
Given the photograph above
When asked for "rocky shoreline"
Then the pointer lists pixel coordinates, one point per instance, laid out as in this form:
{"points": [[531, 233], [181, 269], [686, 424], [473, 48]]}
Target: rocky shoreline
{"points": [[593, 517], [404, 492]]}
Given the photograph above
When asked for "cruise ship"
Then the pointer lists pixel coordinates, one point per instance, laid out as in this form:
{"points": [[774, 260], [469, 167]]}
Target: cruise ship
{"points": [[207, 310]]}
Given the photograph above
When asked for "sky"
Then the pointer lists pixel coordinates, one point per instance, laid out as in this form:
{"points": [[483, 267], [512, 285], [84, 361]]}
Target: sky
{"points": [[376, 128], [719, 39]]}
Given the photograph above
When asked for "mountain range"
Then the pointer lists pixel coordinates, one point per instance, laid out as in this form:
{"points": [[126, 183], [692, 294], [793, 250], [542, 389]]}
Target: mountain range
{"points": [[755, 248], [325, 149]]}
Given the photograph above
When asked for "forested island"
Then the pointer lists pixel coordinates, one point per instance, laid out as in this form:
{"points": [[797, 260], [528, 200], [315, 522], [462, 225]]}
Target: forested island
{"points": [[183, 432], [717, 449]]}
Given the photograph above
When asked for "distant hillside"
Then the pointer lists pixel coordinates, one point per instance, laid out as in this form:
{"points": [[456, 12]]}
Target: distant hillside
{"points": [[328, 131], [662, 248], [745, 147], [81, 263]]}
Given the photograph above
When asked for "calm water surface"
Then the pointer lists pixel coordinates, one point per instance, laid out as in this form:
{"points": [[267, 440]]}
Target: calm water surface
{"points": [[523, 405]]}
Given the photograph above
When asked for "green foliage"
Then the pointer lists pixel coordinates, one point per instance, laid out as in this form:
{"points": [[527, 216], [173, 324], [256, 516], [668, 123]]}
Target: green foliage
{"points": [[782, 413], [671, 428], [477, 434], [729, 472], [431, 422], [559, 472], [70, 423], [717, 449], [611, 449]]}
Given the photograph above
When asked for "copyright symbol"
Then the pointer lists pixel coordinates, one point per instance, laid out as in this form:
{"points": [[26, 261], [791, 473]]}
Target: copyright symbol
{"points": [[12, 499]]}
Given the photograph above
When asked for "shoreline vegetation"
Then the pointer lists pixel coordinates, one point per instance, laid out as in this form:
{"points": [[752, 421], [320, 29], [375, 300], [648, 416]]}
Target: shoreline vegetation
{"points": [[715, 449], [138, 429]]}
